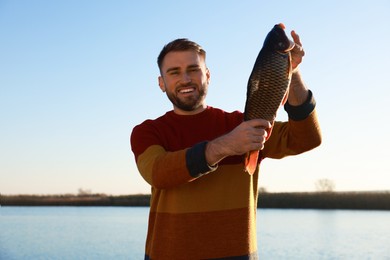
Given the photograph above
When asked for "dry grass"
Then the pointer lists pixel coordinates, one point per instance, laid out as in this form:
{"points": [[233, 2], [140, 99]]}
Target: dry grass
{"points": [[314, 200], [326, 200]]}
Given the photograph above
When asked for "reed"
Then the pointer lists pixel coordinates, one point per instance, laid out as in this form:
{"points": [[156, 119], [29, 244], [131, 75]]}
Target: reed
{"points": [[74, 200], [293, 200], [326, 200]]}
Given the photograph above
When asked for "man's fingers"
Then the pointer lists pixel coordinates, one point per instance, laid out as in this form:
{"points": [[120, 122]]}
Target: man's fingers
{"points": [[259, 123], [296, 38]]}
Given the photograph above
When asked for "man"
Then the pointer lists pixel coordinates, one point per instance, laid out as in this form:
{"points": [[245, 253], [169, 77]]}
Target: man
{"points": [[203, 204]]}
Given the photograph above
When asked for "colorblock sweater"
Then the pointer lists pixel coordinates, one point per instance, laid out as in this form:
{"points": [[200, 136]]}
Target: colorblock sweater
{"points": [[201, 212]]}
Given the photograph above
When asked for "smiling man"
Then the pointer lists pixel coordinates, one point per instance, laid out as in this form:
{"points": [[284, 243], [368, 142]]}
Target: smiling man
{"points": [[203, 204], [185, 79]]}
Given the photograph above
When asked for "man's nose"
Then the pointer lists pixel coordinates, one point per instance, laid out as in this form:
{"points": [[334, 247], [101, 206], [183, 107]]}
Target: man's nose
{"points": [[185, 78]]}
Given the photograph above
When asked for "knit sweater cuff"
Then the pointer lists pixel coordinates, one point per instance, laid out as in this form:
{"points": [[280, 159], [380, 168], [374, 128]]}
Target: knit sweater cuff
{"points": [[196, 161], [301, 112]]}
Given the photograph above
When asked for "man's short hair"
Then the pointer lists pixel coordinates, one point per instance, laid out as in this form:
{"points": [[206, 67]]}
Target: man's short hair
{"points": [[181, 44]]}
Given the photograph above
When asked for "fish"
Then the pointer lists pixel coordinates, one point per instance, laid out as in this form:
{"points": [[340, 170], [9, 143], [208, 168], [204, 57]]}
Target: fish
{"points": [[268, 84]]}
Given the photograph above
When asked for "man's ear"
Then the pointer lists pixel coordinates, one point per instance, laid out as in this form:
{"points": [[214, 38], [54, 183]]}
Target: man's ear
{"points": [[208, 75], [161, 83]]}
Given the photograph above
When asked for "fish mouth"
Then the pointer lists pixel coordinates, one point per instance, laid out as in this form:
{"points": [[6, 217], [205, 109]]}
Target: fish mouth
{"points": [[282, 26]]}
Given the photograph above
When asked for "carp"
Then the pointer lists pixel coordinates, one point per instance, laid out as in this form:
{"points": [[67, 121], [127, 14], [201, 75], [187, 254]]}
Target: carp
{"points": [[268, 84]]}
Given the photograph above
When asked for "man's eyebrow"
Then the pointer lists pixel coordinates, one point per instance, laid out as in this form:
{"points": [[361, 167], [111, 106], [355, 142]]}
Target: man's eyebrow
{"points": [[192, 66], [172, 69]]}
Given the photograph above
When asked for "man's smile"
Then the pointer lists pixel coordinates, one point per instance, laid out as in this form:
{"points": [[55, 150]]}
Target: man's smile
{"points": [[186, 90]]}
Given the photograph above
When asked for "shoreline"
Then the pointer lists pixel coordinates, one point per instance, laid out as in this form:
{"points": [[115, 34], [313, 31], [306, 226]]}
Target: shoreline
{"points": [[287, 200]]}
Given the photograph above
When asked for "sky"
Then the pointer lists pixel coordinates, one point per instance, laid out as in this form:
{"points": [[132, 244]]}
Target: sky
{"points": [[76, 76]]}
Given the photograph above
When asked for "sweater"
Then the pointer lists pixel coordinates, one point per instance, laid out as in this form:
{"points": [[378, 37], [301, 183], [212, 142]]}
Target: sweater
{"points": [[203, 212]]}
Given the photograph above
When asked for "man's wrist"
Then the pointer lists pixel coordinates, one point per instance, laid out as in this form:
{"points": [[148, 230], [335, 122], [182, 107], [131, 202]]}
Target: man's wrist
{"points": [[197, 163], [302, 111], [215, 151]]}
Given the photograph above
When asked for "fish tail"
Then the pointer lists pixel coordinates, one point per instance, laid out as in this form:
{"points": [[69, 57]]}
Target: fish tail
{"points": [[251, 159], [269, 131]]}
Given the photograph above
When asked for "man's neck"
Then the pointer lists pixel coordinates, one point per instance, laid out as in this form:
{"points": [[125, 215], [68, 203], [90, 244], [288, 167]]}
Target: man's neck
{"points": [[197, 110]]}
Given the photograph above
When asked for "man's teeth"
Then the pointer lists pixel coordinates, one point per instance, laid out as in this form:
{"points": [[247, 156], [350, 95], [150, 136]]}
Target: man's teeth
{"points": [[186, 90]]}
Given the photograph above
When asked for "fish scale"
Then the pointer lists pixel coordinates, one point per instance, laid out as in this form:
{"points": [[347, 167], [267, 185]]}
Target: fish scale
{"points": [[268, 87], [268, 84]]}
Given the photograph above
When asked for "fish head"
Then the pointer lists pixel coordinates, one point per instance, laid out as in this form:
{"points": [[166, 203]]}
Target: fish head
{"points": [[277, 40]]}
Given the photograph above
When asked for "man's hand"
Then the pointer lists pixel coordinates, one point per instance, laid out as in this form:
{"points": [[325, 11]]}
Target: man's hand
{"points": [[298, 92], [297, 52], [248, 136]]}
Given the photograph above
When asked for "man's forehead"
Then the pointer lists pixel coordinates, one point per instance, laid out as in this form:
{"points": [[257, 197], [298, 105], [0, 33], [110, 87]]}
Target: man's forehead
{"points": [[182, 58]]}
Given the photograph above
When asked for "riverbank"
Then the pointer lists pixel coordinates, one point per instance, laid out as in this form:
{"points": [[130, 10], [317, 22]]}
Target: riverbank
{"points": [[291, 200], [326, 200], [74, 200]]}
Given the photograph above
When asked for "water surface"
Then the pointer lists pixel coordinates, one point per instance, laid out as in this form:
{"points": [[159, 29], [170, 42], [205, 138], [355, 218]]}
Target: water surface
{"points": [[120, 232]]}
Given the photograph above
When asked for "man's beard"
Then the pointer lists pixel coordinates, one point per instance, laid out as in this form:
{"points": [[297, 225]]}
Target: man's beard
{"points": [[188, 103]]}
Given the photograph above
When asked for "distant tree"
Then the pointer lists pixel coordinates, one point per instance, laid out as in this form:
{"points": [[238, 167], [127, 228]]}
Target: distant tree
{"points": [[82, 192], [325, 185], [262, 190]]}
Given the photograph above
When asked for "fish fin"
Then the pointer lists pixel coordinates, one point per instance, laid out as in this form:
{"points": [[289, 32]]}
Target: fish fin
{"points": [[269, 130], [251, 159], [285, 98]]}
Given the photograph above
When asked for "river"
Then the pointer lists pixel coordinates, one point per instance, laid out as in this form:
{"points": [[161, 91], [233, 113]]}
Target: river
{"points": [[119, 233]]}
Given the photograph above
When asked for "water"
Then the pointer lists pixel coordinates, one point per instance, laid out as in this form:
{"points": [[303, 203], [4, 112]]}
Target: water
{"points": [[72, 232], [119, 233], [323, 234]]}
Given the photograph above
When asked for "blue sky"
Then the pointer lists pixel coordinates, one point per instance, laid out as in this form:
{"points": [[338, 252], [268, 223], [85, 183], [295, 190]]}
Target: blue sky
{"points": [[77, 76]]}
